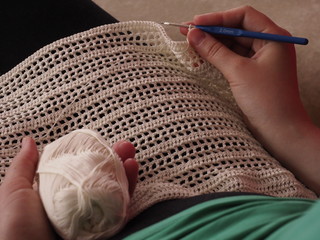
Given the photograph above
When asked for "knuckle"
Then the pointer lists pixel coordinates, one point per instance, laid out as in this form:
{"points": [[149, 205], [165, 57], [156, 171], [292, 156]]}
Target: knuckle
{"points": [[248, 8], [278, 30], [284, 32], [214, 49], [239, 64]]}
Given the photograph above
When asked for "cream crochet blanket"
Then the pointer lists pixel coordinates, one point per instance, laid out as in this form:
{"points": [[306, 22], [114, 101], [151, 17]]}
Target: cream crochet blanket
{"points": [[130, 81]]}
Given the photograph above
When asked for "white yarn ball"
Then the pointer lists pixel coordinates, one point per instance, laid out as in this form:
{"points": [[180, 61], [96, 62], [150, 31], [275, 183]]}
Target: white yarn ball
{"points": [[83, 186]]}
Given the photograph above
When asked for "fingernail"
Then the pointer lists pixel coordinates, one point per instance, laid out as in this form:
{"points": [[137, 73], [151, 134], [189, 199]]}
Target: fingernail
{"points": [[196, 36], [24, 142]]}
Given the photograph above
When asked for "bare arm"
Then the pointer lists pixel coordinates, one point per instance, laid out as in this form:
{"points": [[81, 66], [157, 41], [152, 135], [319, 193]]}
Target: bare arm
{"points": [[263, 79]]}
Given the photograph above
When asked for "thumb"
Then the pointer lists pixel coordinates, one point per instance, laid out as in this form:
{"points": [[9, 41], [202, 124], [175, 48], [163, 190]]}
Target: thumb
{"points": [[23, 166], [213, 50]]}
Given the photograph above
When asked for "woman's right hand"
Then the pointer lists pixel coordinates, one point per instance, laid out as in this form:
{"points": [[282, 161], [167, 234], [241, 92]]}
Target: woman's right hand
{"points": [[263, 79], [262, 74]]}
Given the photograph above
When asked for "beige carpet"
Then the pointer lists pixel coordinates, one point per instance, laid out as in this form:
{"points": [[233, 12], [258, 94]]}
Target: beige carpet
{"points": [[301, 18]]}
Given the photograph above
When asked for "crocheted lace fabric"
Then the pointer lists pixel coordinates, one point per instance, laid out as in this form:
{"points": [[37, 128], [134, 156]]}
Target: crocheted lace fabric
{"points": [[130, 81]]}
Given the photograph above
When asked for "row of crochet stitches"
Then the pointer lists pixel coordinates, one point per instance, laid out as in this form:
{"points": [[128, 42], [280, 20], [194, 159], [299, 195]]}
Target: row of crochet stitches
{"points": [[129, 81]]}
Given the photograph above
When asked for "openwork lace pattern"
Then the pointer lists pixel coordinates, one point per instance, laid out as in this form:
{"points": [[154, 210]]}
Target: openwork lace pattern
{"points": [[130, 81]]}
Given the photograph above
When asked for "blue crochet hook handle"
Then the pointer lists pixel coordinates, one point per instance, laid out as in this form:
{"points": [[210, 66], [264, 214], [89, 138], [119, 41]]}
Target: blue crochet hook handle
{"points": [[235, 32]]}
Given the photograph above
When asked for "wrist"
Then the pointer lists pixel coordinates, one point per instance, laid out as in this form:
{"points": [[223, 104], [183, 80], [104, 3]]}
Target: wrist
{"points": [[295, 144]]}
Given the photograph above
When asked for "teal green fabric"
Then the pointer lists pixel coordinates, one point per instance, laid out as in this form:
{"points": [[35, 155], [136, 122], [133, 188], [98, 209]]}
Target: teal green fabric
{"points": [[240, 217]]}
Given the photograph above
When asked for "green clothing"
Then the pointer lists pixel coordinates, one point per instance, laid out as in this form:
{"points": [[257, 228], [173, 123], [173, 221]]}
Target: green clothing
{"points": [[240, 217]]}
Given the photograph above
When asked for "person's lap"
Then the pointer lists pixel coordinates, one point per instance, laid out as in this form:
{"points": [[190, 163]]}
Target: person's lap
{"points": [[166, 209], [27, 26]]}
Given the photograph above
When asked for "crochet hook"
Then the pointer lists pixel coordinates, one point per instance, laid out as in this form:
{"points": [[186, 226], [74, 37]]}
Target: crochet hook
{"points": [[235, 32]]}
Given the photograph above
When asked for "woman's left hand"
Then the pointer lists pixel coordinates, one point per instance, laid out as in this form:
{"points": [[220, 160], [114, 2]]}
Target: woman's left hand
{"points": [[22, 213]]}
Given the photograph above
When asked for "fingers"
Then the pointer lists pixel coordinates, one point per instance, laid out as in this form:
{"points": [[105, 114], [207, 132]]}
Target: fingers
{"points": [[131, 167], [126, 151], [213, 50], [229, 53], [245, 17], [24, 165], [184, 30]]}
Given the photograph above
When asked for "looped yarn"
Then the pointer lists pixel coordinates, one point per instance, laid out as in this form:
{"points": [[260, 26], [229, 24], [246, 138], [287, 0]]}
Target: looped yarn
{"points": [[83, 186]]}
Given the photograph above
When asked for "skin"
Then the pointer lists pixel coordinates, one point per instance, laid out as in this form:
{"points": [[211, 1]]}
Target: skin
{"points": [[263, 79], [22, 213]]}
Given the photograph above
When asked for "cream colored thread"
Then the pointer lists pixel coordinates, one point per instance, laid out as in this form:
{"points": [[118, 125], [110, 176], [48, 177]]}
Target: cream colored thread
{"points": [[176, 105], [64, 111], [69, 106], [80, 182]]}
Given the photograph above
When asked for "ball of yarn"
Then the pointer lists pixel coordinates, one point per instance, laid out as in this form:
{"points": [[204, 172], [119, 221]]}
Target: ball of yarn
{"points": [[83, 186]]}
